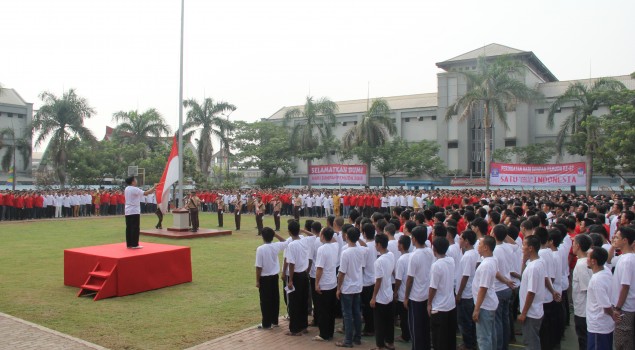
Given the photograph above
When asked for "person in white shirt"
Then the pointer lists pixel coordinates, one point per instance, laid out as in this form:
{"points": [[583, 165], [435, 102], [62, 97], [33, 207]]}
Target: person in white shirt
{"points": [[267, 270], [368, 231], [349, 288], [297, 260], [417, 289], [441, 302], [532, 287], [600, 315], [401, 275], [580, 283], [504, 254], [552, 297], [485, 300], [464, 299], [326, 284], [314, 242], [624, 288], [132, 212], [382, 301]]}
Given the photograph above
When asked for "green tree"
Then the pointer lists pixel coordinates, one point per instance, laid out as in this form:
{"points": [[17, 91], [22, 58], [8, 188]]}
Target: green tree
{"points": [[138, 127], [373, 131], [311, 126], [397, 156], [616, 153], [539, 153], [494, 87], [61, 118], [205, 118], [13, 145], [581, 126], [265, 146]]}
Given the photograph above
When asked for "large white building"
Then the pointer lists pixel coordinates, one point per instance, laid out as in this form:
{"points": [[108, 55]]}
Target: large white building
{"points": [[15, 114], [422, 116]]}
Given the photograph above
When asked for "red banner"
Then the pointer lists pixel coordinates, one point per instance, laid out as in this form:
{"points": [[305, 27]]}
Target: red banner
{"points": [[334, 174], [566, 174]]}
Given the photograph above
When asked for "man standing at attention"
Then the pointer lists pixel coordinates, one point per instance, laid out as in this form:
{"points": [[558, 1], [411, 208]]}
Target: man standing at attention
{"points": [[192, 207], [133, 196], [623, 288], [485, 300]]}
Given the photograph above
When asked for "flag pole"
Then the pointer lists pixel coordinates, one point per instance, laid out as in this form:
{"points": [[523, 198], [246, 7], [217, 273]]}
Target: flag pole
{"points": [[180, 196]]}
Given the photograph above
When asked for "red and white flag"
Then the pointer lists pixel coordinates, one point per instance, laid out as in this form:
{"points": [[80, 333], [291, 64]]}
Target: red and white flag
{"points": [[170, 176]]}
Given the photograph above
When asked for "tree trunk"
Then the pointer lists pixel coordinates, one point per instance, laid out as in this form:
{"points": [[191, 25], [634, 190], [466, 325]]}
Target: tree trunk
{"points": [[368, 165], [589, 172], [308, 172], [384, 180], [488, 150]]}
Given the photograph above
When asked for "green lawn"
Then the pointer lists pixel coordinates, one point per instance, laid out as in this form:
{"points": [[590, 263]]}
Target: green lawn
{"points": [[222, 297]]}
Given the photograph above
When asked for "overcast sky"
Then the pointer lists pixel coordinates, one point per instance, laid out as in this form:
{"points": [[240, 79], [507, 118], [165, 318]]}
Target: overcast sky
{"points": [[262, 55]]}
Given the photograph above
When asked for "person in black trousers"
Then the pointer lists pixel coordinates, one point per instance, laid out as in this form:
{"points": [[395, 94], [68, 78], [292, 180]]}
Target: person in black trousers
{"points": [[133, 196], [260, 212], [237, 209], [298, 283], [277, 206], [267, 269], [219, 209]]}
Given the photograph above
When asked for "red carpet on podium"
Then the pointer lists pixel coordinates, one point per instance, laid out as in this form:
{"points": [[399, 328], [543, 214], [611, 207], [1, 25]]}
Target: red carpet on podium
{"points": [[114, 270]]}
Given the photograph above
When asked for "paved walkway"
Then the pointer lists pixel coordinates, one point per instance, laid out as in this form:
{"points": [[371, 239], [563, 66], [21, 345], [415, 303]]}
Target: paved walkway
{"points": [[256, 339], [22, 335]]}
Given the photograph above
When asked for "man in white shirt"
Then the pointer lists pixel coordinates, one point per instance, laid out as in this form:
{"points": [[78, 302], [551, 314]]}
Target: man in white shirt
{"points": [[326, 284], [624, 288], [485, 300], [370, 257], [382, 301], [349, 288], [297, 259], [417, 289], [600, 315], [464, 298], [132, 212], [441, 303], [504, 254], [532, 287], [401, 275], [548, 338], [580, 282], [267, 270]]}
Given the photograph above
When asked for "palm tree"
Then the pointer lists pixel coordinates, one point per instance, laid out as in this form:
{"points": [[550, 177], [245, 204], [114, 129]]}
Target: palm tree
{"points": [[61, 119], [373, 131], [21, 145], [495, 87], [140, 128], [205, 118], [314, 124], [585, 99]]}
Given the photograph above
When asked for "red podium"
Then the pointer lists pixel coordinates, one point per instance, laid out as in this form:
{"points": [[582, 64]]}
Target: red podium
{"points": [[114, 270]]}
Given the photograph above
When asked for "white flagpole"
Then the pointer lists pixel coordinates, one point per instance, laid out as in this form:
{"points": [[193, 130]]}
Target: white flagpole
{"points": [[180, 196]]}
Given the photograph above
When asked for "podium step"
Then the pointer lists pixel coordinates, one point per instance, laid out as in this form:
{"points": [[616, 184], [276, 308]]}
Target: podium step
{"points": [[100, 284], [100, 274], [92, 287]]}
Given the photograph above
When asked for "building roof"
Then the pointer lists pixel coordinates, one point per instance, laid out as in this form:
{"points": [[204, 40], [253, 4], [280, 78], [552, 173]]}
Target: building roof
{"points": [[490, 50], [555, 89], [11, 97], [495, 50], [360, 106]]}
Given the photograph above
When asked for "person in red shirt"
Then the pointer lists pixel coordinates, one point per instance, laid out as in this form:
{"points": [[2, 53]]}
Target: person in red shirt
{"points": [[376, 203], [113, 203], [121, 201], [2, 208], [19, 206], [105, 203], [28, 207]]}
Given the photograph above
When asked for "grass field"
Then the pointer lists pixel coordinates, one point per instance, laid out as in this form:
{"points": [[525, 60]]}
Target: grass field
{"points": [[222, 297]]}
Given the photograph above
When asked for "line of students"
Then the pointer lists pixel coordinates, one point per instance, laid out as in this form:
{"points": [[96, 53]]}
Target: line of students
{"points": [[434, 281]]}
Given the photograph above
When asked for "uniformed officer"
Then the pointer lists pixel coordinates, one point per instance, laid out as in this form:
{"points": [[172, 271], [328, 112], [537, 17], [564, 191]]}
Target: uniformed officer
{"points": [[192, 206], [260, 212], [237, 207], [220, 207], [277, 206]]}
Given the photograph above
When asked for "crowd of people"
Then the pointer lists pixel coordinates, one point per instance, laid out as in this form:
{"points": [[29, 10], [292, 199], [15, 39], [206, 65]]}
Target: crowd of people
{"points": [[482, 262], [35, 204]]}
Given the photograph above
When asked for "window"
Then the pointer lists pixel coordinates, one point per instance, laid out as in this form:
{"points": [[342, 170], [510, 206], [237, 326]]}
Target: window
{"points": [[420, 119], [10, 115], [407, 120], [332, 153], [434, 117], [20, 115], [453, 144], [510, 143], [540, 111], [343, 123], [355, 122]]}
